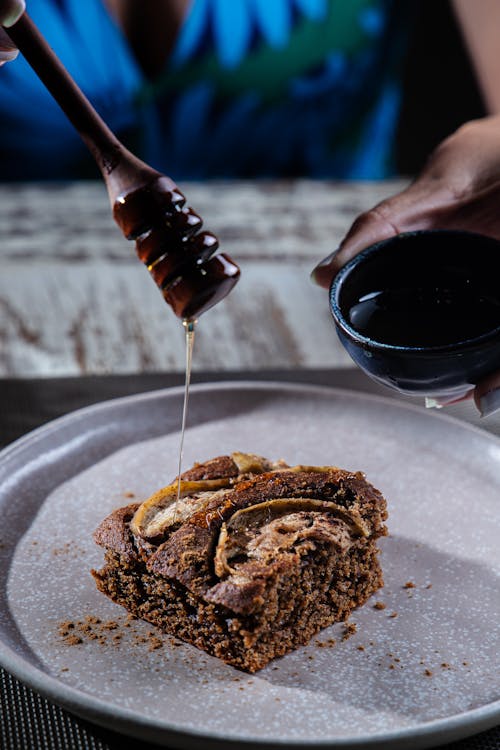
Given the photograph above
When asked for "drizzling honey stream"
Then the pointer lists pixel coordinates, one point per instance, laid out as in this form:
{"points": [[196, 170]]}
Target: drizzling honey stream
{"points": [[189, 327], [180, 259]]}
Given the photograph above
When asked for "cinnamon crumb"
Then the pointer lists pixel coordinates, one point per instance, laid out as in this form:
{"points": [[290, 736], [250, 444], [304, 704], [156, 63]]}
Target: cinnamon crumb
{"points": [[393, 614], [73, 640], [349, 629], [360, 648], [427, 672], [68, 548], [129, 494], [91, 628], [409, 585], [379, 605], [155, 643]]}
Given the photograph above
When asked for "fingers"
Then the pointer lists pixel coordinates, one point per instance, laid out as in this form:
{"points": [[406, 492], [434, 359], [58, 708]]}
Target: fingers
{"points": [[8, 50], [10, 12], [487, 395], [425, 204], [368, 228]]}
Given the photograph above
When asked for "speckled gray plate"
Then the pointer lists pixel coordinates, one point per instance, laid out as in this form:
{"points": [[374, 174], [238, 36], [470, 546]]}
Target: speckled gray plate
{"points": [[423, 670]]}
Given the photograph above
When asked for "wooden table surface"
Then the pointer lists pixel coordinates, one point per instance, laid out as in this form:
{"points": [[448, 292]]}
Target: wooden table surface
{"points": [[74, 299]]}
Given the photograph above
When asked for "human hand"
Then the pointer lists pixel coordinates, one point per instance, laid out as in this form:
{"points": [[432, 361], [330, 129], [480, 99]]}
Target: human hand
{"points": [[459, 188], [10, 11]]}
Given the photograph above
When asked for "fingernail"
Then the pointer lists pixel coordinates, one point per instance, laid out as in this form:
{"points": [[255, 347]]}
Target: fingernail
{"points": [[489, 402], [13, 13], [316, 273], [438, 403], [432, 403]]}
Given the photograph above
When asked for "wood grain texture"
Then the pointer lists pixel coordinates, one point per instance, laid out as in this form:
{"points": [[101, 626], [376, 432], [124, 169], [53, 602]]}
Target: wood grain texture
{"points": [[74, 299]]}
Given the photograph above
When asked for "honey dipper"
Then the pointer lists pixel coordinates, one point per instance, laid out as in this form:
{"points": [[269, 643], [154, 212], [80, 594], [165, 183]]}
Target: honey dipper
{"points": [[147, 206]]}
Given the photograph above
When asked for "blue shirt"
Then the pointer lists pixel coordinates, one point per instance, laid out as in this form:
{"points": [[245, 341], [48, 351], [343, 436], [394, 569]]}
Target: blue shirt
{"points": [[252, 88], [36, 140]]}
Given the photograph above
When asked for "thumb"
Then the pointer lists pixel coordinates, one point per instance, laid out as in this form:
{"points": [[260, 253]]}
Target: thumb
{"points": [[369, 228]]}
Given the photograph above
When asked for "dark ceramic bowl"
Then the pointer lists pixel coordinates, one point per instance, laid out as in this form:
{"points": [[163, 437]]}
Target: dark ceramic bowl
{"points": [[420, 312]]}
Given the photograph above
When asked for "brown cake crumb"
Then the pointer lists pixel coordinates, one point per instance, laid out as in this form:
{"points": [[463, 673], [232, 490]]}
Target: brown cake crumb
{"points": [[66, 631], [428, 672], [360, 648], [154, 643], [379, 605], [129, 494], [409, 585], [71, 549], [393, 614], [104, 632], [73, 640], [111, 625], [65, 626], [90, 628], [349, 629]]}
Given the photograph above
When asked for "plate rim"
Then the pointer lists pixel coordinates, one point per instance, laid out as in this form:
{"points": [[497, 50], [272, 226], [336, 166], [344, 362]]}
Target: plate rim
{"points": [[107, 714]]}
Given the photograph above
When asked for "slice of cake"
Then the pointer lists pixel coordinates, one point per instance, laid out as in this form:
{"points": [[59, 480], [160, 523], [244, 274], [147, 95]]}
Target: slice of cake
{"points": [[252, 561]]}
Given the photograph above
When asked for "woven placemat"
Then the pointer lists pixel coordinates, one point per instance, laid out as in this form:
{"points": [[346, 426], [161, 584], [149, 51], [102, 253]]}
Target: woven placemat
{"points": [[27, 720]]}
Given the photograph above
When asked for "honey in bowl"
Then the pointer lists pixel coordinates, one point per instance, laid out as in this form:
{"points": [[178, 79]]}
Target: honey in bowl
{"points": [[432, 315], [420, 312]]}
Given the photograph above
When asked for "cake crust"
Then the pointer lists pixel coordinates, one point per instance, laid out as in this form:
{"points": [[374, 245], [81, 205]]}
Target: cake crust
{"points": [[249, 571]]}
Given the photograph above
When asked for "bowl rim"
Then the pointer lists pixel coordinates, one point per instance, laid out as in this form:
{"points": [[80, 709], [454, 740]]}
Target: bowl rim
{"points": [[368, 343]]}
